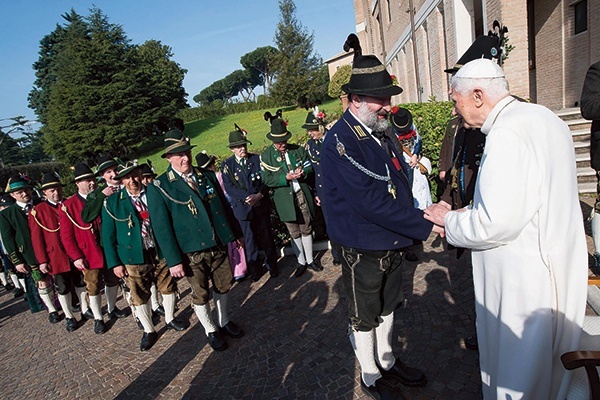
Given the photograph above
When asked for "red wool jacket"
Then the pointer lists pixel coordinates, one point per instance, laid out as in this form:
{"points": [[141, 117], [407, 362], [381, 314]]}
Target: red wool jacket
{"points": [[44, 228]]}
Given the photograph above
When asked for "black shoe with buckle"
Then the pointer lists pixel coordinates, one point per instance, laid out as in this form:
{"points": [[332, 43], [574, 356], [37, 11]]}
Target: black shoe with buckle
{"points": [[53, 317], [216, 341], [315, 265], [381, 390], [99, 326], [148, 340], [471, 343], [117, 313], [400, 373], [71, 324], [231, 329], [300, 269], [177, 325], [18, 293], [75, 308], [160, 310]]}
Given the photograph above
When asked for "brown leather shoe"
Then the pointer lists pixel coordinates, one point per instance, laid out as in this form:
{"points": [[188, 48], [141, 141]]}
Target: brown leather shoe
{"points": [[400, 373]]}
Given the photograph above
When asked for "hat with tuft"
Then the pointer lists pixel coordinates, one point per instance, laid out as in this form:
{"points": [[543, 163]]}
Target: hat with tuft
{"points": [[176, 142]]}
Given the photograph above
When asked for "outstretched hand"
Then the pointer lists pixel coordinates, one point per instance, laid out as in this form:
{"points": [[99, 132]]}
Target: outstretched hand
{"points": [[437, 212]]}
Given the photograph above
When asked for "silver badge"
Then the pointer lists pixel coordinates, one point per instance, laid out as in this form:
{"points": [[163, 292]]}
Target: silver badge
{"points": [[340, 148]]}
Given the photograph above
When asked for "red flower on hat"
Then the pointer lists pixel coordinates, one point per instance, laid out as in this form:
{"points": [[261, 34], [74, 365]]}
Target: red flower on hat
{"points": [[285, 122], [394, 79], [395, 109], [321, 115]]}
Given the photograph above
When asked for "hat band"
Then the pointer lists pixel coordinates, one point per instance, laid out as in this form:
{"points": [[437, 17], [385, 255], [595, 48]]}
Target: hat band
{"points": [[176, 145], [368, 70], [17, 185], [86, 175], [279, 135], [50, 184]]}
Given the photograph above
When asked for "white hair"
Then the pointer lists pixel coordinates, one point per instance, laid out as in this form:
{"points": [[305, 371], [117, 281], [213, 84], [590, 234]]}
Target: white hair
{"points": [[481, 74]]}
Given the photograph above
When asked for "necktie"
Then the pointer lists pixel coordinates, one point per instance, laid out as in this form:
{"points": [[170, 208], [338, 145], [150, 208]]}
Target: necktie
{"points": [[382, 141], [28, 208], [142, 211], [243, 163], [190, 181]]}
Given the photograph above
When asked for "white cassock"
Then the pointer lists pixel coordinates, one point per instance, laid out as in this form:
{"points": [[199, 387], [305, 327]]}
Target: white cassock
{"points": [[529, 252]]}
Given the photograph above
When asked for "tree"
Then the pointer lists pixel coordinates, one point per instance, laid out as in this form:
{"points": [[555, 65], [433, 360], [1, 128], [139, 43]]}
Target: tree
{"points": [[9, 147], [261, 60], [296, 64], [96, 92]]}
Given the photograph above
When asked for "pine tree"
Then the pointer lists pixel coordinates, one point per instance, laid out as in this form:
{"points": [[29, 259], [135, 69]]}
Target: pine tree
{"points": [[296, 64]]}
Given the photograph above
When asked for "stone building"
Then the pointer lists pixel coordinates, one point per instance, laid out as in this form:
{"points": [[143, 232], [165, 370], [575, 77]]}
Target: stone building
{"points": [[553, 43]]}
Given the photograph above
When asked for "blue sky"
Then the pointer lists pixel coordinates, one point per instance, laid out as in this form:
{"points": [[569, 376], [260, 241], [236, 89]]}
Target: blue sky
{"points": [[207, 37]]}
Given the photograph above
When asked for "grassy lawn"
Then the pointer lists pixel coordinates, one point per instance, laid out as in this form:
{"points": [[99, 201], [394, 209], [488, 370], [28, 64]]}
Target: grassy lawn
{"points": [[212, 134]]}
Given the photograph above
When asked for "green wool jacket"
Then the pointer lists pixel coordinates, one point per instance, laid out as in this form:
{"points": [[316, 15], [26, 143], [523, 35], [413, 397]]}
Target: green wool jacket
{"points": [[122, 231], [186, 221], [16, 236], [93, 204], [274, 169]]}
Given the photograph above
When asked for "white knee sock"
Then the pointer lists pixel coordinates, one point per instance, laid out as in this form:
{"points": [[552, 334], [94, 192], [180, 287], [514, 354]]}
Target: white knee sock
{"points": [[47, 296], [298, 250], [144, 314], [82, 296], [3, 278], [595, 223], [307, 243], [111, 297], [65, 303], [169, 306], [383, 336], [23, 284], [154, 297], [363, 344], [96, 306], [221, 304], [203, 314], [15, 280]]}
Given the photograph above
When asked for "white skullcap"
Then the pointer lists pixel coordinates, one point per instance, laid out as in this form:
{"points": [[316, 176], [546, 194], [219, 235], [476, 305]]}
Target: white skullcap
{"points": [[481, 68]]}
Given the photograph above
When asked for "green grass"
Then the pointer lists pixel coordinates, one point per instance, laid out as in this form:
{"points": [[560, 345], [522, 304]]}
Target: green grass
{"points": [[212, 134]]}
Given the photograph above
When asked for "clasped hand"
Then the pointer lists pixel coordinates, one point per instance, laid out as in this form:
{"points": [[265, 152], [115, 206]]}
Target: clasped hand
{"points": [[436, 213]]}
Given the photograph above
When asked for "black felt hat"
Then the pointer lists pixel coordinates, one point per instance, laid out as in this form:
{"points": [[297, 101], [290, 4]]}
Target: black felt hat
{"points": [[82, 171], [311, 123], [147, 170], [17, 182], [369, 76], [176, 142], [50, 180], [483, 47], [238, 137], [203, 160], [279, 132], [401, 119], [105, 162]]}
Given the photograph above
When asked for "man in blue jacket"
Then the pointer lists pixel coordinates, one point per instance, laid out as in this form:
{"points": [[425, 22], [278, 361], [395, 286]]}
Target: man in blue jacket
{"points": [[370, 213]]}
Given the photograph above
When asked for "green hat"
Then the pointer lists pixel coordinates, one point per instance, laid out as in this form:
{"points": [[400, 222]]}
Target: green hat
{"points": [[105, 162], [238, 137], [279, 132], [312, 123], [369, 76], [125, 168], [17, 182], [82, 171], [49, 180], [176, 142]]}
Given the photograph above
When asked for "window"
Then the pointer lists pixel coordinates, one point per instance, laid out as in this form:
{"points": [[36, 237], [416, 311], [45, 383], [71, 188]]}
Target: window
{"points": [[580, 10]]}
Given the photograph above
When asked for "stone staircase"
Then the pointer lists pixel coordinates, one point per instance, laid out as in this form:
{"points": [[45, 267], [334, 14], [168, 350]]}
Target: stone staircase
{"points": [[580, 129]]}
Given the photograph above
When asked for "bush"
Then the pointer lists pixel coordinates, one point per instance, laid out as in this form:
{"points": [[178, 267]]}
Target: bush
{"points": [[341, 77], [35, 172]]}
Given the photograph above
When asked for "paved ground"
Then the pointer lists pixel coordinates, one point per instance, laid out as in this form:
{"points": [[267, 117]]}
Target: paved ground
{"points": [[295, 345]]}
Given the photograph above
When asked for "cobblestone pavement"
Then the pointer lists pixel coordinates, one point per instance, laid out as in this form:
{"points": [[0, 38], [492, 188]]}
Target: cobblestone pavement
{"points": [[295, 345]]}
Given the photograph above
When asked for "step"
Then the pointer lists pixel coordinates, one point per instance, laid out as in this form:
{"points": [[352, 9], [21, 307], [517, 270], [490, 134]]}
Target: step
{"points": [[579, 124], [580, 135], [582, 160], [587, 187], [569, 113], [586, 174], [582, 147]]}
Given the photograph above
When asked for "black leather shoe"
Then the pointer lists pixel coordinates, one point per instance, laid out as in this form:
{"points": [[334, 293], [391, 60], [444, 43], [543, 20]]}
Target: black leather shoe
{"points": [[337, 262], [300, 269], [257, 273], [148, 340], [116, 313], [159, 311], [471, 343], [87, 315], [53, 317], [274, 271], [410, 255], [75, 308], [9, 286], [177, 325], [400, 373], [99, 326], [139, 324], [18, 293], [216, 341], [315, 266], [71, 324], [231, 329], [381, 390]]}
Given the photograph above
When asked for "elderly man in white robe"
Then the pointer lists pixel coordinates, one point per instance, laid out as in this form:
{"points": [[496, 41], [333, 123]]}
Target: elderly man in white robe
{"points": [[525, 227]]}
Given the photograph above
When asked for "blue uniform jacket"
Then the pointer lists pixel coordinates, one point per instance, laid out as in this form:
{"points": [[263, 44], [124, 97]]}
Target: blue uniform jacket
{"points": [[360, 210], [314, 148], [239, 184]]}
